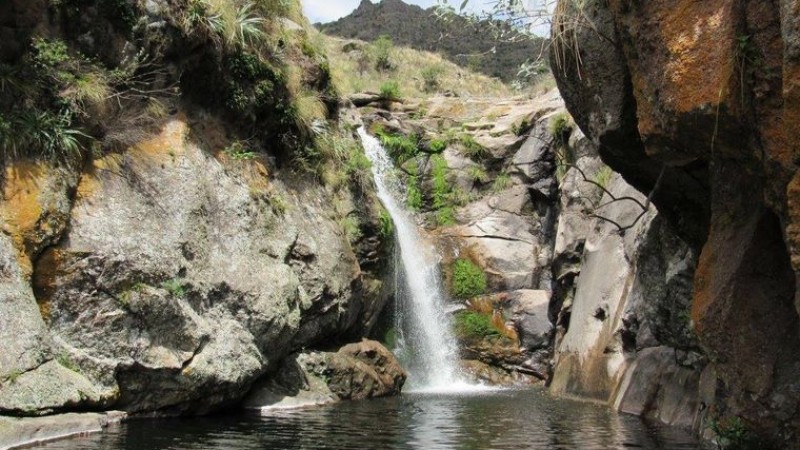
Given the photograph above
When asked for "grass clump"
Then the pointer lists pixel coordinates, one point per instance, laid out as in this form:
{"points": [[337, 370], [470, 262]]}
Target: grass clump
{"points": [[470, 147], [603, 177], [437, 145], [468, 280], [390, 91], [473, 324], [381, 52], [561, 126], [414, 198], [401, 148], [501, 183], [386, 224], [175, 287], [238, 150], [431, 78]]}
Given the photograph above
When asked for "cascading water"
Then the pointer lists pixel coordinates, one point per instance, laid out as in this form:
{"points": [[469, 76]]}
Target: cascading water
{"points": [[427, 347]]}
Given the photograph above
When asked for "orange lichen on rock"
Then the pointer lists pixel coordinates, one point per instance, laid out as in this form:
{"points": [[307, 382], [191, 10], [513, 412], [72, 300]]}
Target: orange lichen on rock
{"points": [[21, 208], [171, 142], [701, 40]]}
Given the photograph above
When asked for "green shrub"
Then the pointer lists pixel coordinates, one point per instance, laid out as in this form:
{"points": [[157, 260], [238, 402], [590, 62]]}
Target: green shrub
{"points": [[238, 151], [446, 216], [470, 147], [175, 287], [502, 182], [351, 227], [430, 78], [401, 148], [603, 176], [473, 324], [387, 225], [468, 279], [733, 434], [441, 187], [390, 91], [478, 174], [413, 194], [381, 51], [438, 145], [561, 127]]}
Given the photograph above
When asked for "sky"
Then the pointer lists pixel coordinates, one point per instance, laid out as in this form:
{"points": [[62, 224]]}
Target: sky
{"points": [[330, 10]]}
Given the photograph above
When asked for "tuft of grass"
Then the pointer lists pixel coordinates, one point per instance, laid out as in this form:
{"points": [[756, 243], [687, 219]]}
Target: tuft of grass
{"points": [[431, 78], [470, 147], [352, 228], [441, 187], [478, 174], [468, 279], [414, 194], [239, 151], [603, 176], [175, 287], [401, 148], [474, 324], [67, 362], [390, 91], [387, 225], [501, 183], [446, 216], [438, 145], [561, 126]]}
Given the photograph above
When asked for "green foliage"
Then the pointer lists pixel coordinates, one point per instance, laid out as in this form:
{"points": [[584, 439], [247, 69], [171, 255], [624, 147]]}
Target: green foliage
{"points": [[431, 78], [414, 194], [473, 324], [470, 147], [468, 279], [603, 176], [12, 376], [519, 128], [441, 187], [438, 145], [502, 182], [51, 136], [446, 216], [239, 151], [478, 174], [561, 127], [351, 227], [381, 52], [387, 225], [175, 287], [401, 148], [733, 434], [390, 91], [67, 362], [49, 53]]}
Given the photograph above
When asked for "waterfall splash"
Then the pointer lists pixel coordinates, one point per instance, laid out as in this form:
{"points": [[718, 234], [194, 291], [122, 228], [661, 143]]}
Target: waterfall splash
{"points": [[426, 345]]}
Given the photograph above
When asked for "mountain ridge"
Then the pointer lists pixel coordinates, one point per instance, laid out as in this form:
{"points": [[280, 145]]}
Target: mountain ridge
{"points": [[459, 39]]}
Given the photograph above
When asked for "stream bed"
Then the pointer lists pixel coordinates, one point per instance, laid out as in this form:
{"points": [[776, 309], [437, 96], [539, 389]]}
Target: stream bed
{"points": [[506, 419]]}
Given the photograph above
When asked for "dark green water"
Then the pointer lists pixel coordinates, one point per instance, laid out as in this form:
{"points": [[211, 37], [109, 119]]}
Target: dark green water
{"points": [[527, 419]]}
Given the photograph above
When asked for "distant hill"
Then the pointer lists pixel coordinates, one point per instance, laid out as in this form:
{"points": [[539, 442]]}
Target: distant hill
{"points": [[465, 43]]}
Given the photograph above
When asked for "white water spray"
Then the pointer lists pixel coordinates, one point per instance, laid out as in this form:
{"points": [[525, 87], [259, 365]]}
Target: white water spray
{"points": [[427, 346]]}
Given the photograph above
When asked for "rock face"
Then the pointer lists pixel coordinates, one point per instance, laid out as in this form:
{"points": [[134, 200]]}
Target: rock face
{"points": [[182, 278], [354, 372], [713, 129]]}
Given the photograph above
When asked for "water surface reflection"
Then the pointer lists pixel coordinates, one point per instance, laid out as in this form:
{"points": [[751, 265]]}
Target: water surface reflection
{"points": [[512, 419]]}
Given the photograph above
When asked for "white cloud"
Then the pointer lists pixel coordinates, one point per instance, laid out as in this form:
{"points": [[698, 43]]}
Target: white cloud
{"points": [[328, 10]]}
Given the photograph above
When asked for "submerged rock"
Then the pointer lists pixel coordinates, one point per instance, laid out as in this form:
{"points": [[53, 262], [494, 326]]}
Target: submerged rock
{"points": [[354, 372]]}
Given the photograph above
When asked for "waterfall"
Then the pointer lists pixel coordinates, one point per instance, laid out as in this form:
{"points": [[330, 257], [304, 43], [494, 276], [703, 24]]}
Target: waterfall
{"points": [[426, 347]]}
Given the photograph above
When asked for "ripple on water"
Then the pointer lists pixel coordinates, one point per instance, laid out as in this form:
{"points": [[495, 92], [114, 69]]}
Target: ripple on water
{"points": [[472, 419]]}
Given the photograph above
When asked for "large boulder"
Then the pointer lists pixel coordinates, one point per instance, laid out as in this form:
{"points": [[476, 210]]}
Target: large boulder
{"points": [[354, 372], [183, 277]]}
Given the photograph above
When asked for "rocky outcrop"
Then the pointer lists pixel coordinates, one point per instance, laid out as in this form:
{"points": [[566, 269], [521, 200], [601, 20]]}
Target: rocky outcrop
{"points": [[709, 129], [182, 278], [354, 372]]}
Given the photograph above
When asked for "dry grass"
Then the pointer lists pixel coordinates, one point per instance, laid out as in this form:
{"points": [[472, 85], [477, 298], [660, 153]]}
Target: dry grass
{"points": [[352, 74]]}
